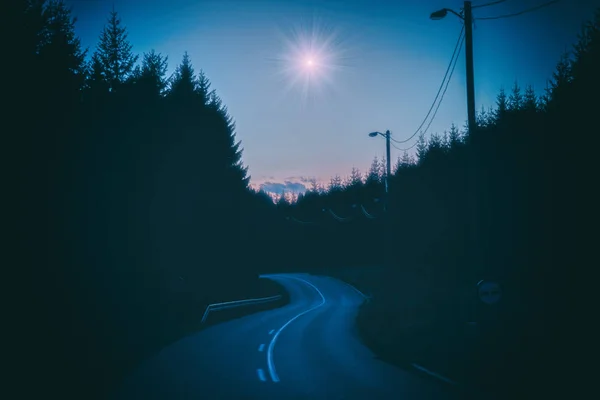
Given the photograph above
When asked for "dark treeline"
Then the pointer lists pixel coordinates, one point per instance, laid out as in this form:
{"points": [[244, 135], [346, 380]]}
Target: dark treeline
{"points": [[129, 207], [129, 199], [527, 192]]}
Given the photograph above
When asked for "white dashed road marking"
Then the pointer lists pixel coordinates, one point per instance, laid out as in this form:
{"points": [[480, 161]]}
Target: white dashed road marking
{"points": [[261, 374]]}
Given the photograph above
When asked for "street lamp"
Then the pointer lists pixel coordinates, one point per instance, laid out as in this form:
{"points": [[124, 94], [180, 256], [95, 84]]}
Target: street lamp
{"points": [[387, 222], [387, 136], [437, 15], [467, 17]]}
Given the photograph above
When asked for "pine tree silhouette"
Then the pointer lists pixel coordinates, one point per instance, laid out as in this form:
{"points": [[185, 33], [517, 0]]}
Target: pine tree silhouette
{"points": [[151, 79], [115, 61], [422, 147]]}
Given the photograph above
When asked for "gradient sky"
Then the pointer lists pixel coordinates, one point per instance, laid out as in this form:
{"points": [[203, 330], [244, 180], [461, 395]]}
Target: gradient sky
{"points": [[382, 64]]}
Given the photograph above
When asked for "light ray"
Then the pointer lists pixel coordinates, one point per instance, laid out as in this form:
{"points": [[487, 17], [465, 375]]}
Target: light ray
{"points": [[312, 56]]}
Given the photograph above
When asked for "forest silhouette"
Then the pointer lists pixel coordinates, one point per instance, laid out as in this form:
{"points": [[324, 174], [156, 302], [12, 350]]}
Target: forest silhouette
{"points": [[130, 204]]}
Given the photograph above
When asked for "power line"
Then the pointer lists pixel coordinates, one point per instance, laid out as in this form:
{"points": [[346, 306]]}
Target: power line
{"points": [[441, 98], [405, 149], [493, 3], [521, 12], [439, 90], [446, 88]]}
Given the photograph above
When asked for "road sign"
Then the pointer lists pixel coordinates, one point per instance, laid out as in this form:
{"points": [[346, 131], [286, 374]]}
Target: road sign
{"points": [[489, 292]]}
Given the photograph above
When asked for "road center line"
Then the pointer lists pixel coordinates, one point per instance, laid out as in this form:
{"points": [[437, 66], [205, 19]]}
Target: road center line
{"points": [[261, 374], [270, 361], [271, 331], [261, 347]]}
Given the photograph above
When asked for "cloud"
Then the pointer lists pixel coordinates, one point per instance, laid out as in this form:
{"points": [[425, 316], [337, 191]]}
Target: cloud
{"points": [[287, 186], [303, 179]]}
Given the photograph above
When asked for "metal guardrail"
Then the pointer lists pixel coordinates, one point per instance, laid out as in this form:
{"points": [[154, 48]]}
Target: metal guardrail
{"points": [[236, 303]]}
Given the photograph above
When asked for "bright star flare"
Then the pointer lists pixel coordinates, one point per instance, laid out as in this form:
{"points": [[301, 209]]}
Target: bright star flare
{"points": [[312, 56]]}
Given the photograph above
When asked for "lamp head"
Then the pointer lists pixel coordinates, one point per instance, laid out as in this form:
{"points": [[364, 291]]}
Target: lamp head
{"points": [[439, 14]]}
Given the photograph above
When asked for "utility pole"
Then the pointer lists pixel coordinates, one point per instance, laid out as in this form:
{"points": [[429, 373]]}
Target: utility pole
{"points": [[388, 167], [387, 157], [387, 217], [388, 222], [468, 17], [472, 243], [388, 172]]}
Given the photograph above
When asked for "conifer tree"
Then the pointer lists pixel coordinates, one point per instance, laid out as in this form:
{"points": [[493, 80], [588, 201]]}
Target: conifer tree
{"points": [[152, 74], [406, 160], [501, 105], [530, 101], [422, 147], [515, 100], [314, 186], [454, 136], [232, 150], [62, 60], [445, 141], [483, 118], [114, 58], [372, 175], [184, 84], [434, 142], [335, 184], [561, 79], [355, 178], [203, 88]]}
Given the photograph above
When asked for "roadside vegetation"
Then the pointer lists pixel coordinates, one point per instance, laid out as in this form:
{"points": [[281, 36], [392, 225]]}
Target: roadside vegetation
{"points": [[130, 205]]}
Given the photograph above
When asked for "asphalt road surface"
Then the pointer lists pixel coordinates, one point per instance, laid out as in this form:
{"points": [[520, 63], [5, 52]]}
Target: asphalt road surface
{"points": [[308, 349]]}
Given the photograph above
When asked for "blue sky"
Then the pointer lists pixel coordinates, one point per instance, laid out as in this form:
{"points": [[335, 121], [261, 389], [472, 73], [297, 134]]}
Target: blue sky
{"points": [[379, 67]]}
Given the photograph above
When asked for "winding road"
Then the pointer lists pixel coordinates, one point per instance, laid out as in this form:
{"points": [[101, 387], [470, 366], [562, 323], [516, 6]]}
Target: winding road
{"points": [[308, 349]]}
